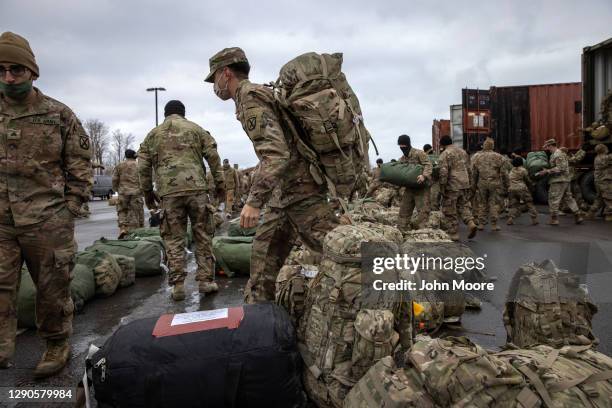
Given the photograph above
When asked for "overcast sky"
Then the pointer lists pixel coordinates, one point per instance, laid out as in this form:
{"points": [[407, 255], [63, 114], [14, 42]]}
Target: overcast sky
{"points": [[407, 60]]}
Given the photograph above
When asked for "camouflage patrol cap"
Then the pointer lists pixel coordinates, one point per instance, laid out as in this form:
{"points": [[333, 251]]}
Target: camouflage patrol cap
{"points": [[223, 58], [550, 142]]}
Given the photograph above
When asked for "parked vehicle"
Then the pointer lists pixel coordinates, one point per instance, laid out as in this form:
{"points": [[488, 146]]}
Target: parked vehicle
{"points": [[102, 187]]}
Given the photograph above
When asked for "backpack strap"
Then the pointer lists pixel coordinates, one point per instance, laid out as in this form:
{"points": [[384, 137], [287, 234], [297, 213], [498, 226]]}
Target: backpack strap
{"points": [[537, 384], [589, 379]]}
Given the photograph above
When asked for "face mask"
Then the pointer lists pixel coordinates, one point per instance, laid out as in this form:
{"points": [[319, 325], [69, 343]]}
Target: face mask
{"points": [[222, 93], [406, 150], [226, 166], [16, 91]]}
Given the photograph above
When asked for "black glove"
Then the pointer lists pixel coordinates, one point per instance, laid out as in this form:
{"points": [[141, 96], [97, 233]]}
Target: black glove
{"points": [[151, 200]]}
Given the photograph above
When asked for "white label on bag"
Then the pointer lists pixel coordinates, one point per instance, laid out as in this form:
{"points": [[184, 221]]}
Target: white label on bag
{"points": [[202, 316]]}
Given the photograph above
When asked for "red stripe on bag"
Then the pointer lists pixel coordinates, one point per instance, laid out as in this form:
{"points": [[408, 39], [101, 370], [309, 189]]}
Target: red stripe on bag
{"points": [[182, 323]]}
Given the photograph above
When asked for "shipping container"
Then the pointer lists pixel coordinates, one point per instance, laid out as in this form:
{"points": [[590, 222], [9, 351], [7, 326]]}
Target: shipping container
{"points": [[523, 117], [596, 79], [476, 117], [456, 115], [439, 129]]}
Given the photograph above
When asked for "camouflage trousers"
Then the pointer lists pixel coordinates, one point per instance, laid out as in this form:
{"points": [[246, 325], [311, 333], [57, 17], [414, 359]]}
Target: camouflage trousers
{"points": [[48, 249], [411, 199], [434, 196], [603, 198], [175, 212], [488, 202], [515, 197], [455, 203], [559, 193], [229, 201], [309, 220], [130, 212]]}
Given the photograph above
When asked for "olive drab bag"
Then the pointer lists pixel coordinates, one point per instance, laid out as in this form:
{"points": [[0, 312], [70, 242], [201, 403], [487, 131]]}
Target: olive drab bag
{"points": [[106, 270], [127, 264], [339, 339], [233, 254], [536, 162], [547, 305], [148, 252], [402, 174], [324, 113]]}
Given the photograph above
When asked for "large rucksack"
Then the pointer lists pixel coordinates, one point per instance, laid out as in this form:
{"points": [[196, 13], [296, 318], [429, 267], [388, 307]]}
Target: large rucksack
{"points": [[234, 357], [325, 115], [339, 339], [547, 305]]}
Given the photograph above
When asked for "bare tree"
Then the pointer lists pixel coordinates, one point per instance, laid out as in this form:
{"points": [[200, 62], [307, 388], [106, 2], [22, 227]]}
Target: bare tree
{"points": [[120, 142], [98, 135]]}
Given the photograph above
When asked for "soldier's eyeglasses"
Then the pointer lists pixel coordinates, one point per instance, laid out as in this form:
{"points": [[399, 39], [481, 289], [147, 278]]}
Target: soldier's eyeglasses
{"points": [[15, 70]]}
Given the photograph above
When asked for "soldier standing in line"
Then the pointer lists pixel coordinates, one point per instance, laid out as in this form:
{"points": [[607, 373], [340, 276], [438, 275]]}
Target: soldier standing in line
{"points": [[130, 212], [573, 160], [559, 183], [231, 185], [474, 195], [455, 175], [175, 151], [376, 183], [519, 191], [434, 195], [492, 181], [603, 182], [302, 209], [414, 197], [45, 177]]}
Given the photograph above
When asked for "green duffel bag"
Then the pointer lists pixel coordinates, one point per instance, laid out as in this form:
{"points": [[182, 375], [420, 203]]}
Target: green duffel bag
{"points": [[536, 162], [147, 252], [401, 174], [235, 230], [82, 289], [155, 232], [233, 254], [127, 264], [106, 270]]}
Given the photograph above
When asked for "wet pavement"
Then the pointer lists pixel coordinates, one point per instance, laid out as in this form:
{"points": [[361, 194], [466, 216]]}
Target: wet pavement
{"points": [[586, 249]]}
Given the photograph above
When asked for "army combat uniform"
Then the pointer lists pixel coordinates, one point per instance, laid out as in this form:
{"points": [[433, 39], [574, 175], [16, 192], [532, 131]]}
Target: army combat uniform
{"points": [[455, 177], [45, 176], [175, 151], [130, 214], [603, 181], [491, 179], [518, 192], [232, 184], [415, 197], [559, 186]]}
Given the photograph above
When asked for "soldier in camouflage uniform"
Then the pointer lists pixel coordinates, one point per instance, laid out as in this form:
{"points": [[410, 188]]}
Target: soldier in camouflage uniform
{"points": [[414, 197], [573, 160], [434, 189], [232, 184], [474, 196], [175, 151], [603, 182], [375, 184], [45, 177], [519, 191], [130, 214], [455, 175], [302, 208], [559, 183], [492, 181]]}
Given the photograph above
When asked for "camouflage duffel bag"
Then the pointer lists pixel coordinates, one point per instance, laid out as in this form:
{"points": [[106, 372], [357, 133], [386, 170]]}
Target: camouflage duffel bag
{"points": [[127, 264], [106, 270], [339, 337], [233, 254], [148, 252], [547, 305]]}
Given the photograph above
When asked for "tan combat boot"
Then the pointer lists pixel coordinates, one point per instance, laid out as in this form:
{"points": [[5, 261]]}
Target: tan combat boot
{"points": [[178, 291], [554, 220], [454, 236], [510, 221], [123, 232], [534, 221], [608, 218], [578, 218], [480, 226], [473, 229], [208, 287], [54, 359], [494, 226]]}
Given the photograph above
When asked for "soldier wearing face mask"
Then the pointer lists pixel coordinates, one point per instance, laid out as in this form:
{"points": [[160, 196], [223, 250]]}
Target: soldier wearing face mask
{"points": [[414, 197]]}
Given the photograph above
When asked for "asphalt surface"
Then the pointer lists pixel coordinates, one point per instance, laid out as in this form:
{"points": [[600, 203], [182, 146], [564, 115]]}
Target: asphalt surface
{"points": [[584, 249]]}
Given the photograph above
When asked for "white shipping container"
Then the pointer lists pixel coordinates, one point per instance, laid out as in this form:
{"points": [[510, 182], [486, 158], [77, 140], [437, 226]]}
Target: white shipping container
{"points": [[456, 115]]}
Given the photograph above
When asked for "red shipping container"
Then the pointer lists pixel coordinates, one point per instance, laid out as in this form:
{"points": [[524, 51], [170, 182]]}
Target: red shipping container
{"points": [[555, 112], [438, 129]]}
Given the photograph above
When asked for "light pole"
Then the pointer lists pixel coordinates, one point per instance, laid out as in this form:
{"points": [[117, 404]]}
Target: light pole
{"points": [[155, 90]]}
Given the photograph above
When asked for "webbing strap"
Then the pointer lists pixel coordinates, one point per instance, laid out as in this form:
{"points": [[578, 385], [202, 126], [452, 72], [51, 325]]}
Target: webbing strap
{"points": [[323, 66], [551, 358], [589, 379], [537, 384]]}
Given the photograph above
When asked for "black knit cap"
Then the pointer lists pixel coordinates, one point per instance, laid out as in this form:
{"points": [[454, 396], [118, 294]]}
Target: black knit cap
{"points": [[446, 140], [130, 154], [174, 107], [403, 140], [379, 160]]}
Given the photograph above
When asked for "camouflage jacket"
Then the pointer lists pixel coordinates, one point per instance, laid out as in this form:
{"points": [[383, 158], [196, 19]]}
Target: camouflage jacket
{"points": [[280, 164], [559, 168], [455, 172], [125, 178], [519, 178], [417, 156], [603, 168], [45, 160], [176, 150], [573, 160], [231, 178], [489, 166]]}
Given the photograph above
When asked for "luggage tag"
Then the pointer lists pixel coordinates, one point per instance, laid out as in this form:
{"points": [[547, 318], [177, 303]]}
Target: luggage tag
{"points": [[182, 323]]}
